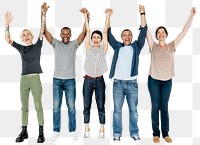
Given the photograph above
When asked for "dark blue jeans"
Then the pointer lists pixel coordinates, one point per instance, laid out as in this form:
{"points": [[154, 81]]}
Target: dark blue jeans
{"points": [[90, 85], [69, 87], [160, 92]]}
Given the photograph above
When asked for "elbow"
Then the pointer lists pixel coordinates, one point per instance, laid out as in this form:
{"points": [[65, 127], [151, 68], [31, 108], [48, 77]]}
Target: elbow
{"points": [[7, 39]]}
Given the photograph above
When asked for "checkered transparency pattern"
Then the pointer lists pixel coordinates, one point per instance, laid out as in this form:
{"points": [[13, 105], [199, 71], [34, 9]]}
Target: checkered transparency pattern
{"points": [[184, 103]]}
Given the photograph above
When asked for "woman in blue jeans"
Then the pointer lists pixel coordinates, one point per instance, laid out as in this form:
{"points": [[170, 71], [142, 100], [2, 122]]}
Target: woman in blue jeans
{"points": [[160, 76], [95, 66]]}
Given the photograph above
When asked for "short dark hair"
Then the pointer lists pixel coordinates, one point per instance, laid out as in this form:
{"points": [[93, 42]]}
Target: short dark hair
{"points": [[126, 30], [65, 28], [97, 32], [161, 27]]}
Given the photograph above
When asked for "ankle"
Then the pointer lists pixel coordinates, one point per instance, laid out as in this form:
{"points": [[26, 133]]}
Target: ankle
{"points": [[102, 129], [87, 128]]}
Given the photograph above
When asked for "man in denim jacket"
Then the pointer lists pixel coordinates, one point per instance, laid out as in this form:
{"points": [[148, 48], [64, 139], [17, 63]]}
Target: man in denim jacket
{"points": [[124, 69]]}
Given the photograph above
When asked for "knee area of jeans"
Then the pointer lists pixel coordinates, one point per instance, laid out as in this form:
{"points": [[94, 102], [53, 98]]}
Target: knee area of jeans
{"points": [[155, 108], [117, 112], [135, 115], [71, 106], [102, 112], [72, 110], [101, 108], [56, 104], [56, 109], [164, 109], [133, 110]]}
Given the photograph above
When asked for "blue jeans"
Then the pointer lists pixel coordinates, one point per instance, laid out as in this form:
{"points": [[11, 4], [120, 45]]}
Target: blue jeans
{"points": [[160, 92], [122, 88], [69, 87], [90, 85]]}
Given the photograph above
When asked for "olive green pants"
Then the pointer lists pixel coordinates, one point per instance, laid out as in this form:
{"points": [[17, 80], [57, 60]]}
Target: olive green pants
{"points": [[31, 83]]}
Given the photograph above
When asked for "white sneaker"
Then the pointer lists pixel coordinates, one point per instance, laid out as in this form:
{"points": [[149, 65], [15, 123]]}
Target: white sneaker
{"points": [[101, 135], [74, 135], [87, 134], [54, 136]]}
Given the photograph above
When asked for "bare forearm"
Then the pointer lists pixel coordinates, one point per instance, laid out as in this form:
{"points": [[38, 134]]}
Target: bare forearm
{"points": [[86, 25], [7, 32], [143, 20], [184, 30], [43, 21], [188, 24], [107, 23]]}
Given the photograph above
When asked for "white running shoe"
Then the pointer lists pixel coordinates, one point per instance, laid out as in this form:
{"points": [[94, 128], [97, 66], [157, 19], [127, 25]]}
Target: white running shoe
{"points": [[54, 136], [101, 135], [74, 135], [87, 134]]}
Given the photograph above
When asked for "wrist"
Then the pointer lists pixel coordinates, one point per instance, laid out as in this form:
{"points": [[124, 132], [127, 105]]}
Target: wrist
{"points": [[143, 13]]}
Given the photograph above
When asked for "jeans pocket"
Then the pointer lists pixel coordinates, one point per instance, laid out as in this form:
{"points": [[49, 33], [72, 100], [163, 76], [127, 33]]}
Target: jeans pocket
{"points": [[115, 83], [135, 84]]}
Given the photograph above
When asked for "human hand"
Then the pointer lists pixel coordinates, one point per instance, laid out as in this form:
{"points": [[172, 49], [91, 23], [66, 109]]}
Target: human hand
{"points": [[8, 18], [85, 12], [44, 8], [109, 11], [141, 9], [193, 11]]}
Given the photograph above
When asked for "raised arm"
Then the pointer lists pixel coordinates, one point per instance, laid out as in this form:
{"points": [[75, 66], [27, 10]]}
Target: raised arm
{"points": [[185, 28], [47, 34], [143, 28], [149, 40], [8, 19], [86, 27], [44, 9], [111, 39], [83, 33], [108, 12], [142, 15]]}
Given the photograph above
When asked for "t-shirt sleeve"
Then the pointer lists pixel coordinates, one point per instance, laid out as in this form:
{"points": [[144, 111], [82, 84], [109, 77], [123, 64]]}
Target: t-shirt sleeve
{"points": [[172, 46], [55, 42], [75, 42], [39, 43], [19, 47]]}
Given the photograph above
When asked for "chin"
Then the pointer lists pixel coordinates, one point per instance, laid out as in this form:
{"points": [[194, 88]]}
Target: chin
{"points": [[28, 43], [65, 42]]}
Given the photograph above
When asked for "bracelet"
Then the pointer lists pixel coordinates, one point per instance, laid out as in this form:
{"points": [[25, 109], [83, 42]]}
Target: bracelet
{"points": [[142, 13]]}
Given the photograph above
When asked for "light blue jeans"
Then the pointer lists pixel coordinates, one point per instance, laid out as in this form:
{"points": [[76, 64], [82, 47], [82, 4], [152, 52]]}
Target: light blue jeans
{"points": [[122, 88], [69, 87]]}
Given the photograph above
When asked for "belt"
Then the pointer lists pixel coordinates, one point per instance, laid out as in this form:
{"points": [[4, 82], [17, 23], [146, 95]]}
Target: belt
{"points": [[89, 77]]}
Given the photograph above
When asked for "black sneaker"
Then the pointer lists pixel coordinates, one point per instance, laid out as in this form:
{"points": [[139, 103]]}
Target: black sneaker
{"points": [[116, 139], [136, 138]]}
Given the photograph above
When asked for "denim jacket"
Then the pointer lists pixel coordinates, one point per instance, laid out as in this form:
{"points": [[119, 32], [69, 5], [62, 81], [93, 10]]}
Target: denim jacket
{"points": [[137, 45]]}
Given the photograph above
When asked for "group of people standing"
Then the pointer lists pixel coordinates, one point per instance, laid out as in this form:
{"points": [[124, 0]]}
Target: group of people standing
{"points": [[124, 70]]}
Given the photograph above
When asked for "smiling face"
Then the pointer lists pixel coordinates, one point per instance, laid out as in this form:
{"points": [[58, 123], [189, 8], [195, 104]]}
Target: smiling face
{"points": [[161, 33], [127, 37], [27, 37], [65, 35]]}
